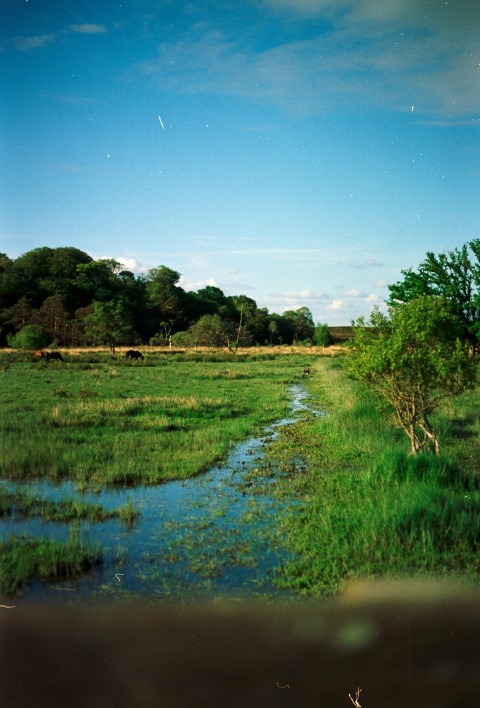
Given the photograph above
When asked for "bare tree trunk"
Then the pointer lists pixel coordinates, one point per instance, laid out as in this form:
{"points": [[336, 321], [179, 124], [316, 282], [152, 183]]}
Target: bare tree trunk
{"points": [[239, 330], [429, 435]]}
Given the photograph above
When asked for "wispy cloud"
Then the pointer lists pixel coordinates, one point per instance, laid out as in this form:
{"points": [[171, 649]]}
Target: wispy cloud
{"points": [[311, 295], [87, 28], [370, 54], [369, 263], [27, 44]]}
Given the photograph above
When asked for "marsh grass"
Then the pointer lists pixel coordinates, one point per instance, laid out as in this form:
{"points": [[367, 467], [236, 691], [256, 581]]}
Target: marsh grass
{"points": [[167, 417], [363, 506], [22, 505], [25, 559]]}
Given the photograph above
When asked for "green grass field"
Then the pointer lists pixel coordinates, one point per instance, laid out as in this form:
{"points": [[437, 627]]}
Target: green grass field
{"points": [[102, 421], [356, 504]]}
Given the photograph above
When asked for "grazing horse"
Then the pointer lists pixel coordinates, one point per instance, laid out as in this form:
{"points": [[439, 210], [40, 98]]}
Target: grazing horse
{"points": [[53, 356], [133, 354]]}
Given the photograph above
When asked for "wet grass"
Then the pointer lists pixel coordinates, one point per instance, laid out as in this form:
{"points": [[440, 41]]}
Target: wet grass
{"points": [[356, 504], [25, 559], [360, 506], [101, 421], [22, 505]]}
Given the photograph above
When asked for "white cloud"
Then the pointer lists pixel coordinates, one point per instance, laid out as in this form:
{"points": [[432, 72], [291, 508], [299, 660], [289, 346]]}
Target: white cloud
{"points": [[336, 305], [373, 299], [189, 285], [132, 265]]}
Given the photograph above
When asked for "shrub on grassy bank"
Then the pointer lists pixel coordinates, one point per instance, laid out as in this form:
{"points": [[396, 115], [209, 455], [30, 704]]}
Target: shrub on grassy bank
{"points": [[364, 507]]}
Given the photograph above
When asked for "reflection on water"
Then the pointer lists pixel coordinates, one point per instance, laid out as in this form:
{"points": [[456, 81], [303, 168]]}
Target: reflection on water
{"points": [[209, 535]]}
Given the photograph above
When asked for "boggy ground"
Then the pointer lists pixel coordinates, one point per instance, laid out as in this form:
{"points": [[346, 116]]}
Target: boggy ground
{"points": [[106, 422], [356, 505]]}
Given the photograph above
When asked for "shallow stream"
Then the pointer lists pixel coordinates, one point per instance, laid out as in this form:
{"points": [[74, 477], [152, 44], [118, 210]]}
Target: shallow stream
{"points": [[203, 537]]}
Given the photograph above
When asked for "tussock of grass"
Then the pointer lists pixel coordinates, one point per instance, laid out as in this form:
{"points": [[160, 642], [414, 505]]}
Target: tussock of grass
{"points": [[22, 504], [26, 559]]}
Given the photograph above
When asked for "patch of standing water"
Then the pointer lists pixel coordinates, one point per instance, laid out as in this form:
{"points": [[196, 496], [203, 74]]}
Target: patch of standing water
{"points": [[205, 536]]}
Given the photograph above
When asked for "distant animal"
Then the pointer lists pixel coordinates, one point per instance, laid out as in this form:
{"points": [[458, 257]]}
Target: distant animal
{"points": [[306, 372], [133, 354], [53, 356]]}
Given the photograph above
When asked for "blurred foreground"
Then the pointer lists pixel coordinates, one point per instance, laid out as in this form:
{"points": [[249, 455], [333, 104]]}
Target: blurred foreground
{"points": [[403, 644]]}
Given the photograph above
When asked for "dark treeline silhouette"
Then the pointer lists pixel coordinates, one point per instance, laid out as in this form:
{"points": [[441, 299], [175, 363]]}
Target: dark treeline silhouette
{"points": [[62, 296]]}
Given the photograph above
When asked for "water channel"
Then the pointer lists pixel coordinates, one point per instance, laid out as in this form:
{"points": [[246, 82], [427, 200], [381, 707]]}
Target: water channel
{"points": [[203, 537]]}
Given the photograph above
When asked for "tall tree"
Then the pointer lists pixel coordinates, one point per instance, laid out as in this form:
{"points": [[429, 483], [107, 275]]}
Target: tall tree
{"points": [[212, 331], [53, 317], [302, 320], [454, 275], [322, 336], [109, 323], [98, 280], [167, 298]]}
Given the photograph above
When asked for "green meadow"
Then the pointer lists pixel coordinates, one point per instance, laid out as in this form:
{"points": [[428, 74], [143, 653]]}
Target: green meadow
{"points": [[354, 503], [100, 420]]}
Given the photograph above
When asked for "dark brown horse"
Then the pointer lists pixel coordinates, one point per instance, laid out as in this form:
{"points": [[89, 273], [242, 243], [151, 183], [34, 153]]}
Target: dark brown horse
{"points": [[133, 354], [53, 356], [50, 356]]}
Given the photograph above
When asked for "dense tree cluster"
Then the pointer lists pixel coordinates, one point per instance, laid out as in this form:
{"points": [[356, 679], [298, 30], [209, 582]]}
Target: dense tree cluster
{"points": [[62, 296]]}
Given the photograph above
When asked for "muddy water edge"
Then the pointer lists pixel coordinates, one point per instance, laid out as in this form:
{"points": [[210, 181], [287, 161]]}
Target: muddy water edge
{"points": [[210, 536]]}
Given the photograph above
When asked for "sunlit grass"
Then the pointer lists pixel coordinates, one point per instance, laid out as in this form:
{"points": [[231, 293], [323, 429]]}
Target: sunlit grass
{"points": [[168, 417], [363, 506]]}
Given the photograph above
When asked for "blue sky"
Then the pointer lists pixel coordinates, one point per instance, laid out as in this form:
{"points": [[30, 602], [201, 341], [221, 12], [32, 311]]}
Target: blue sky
{"points": [[300, 152]]}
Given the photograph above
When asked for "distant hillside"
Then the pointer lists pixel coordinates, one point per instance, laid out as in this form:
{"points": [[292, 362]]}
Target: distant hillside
{"points": [[340, 335]]}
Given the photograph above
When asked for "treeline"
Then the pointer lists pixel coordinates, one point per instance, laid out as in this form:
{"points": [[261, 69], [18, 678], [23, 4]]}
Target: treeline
{"points": [[63, 297]]}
